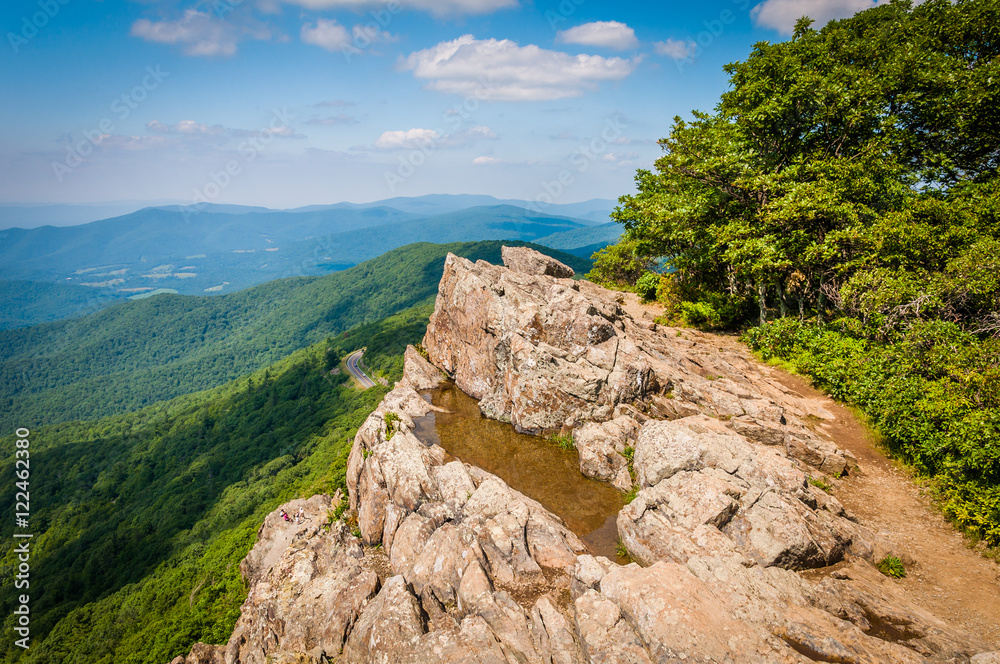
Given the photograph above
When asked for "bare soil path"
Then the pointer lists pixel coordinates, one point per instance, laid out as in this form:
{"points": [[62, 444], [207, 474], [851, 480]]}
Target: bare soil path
{"points": [[944, 575]]}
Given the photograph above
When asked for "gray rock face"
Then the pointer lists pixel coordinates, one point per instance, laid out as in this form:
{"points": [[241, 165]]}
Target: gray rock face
{"points": [[529, 261], [546, 353], [418, 373], [602, 447], [709, 489], [452, 565]]}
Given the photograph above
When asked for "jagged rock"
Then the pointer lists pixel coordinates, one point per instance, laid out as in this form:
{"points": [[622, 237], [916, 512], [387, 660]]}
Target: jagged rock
{"points": [[418, 373], [475, 571], [529, 261], [605, 637], [556, 643], [678, 617], [601, 446], [390, 626], [542, 352], [710, 491], [307, 587], [202, 653]]}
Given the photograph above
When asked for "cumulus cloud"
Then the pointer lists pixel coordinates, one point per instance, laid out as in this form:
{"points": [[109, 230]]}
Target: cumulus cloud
{"points": [[500, 70], [192, 128], [606, 34], [678, 49], [436, 7], [486, 161], [199, 34], [781, 15], [327, 34], [411, 138], [332, 36], [426, 138]]}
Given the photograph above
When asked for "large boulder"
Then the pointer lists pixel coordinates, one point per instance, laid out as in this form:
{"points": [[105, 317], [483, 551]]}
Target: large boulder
{"points": [[529, 261]]}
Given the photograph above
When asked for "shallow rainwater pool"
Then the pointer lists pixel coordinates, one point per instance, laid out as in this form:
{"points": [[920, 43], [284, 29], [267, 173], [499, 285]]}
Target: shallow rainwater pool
{"points": [[536, 467]]}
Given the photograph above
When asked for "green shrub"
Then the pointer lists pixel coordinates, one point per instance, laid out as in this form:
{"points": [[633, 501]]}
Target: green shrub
{"points": [[932, 395], [619, 265], [701, 315], [891, 566], [647, 285]]}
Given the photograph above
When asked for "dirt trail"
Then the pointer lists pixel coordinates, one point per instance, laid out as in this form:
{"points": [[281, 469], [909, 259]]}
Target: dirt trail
{"points": [[943, 575]]}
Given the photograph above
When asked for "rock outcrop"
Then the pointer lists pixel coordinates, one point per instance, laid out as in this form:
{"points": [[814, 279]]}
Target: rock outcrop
{"points": [[447, 563], [547, 353]]}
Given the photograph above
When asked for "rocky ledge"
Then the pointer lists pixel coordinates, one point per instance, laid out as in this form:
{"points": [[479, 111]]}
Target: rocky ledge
{"points": [[738, 558]]}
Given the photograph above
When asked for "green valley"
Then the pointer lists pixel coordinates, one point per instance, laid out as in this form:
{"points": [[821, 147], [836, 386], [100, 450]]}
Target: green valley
{"points": [[137, 353], [141, 520]]}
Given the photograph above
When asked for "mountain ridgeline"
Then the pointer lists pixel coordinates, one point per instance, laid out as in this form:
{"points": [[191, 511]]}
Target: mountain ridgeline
{"points": [[216, 249], [136, 353]]}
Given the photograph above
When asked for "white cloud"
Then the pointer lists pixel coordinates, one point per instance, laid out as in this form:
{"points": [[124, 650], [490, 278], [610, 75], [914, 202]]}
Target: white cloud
{"points": [[474, 134], [493, 161], [411, 138], [332, 36], [327, 34], [436, 7], [330, 120], [606, 34], [427, 138], [189, 127], [199, 34], [781, 15], [192, 128], [500, 70], [678, 49]]}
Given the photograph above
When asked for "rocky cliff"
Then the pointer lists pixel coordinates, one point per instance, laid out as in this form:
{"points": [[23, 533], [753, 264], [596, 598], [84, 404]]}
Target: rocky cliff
{"points": [[738, 558]]}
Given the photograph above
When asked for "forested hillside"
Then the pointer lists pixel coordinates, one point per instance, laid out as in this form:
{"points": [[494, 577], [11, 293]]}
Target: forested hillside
{"points": [[137, 353], [141, 520], [25, 303], [847, 185]]}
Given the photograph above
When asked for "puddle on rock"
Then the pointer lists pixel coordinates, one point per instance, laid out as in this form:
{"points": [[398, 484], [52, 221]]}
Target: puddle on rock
{"points": [[536, 467]]}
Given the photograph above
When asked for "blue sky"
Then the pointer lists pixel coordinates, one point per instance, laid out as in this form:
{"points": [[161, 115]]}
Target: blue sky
{"points": [[295, 102]]}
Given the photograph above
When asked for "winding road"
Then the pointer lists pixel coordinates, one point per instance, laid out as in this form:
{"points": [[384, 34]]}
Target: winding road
{"points": [[359, 375]]}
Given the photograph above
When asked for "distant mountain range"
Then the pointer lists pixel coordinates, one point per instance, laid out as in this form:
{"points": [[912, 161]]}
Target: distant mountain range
{"points": [[216, 249], [132, 354]]}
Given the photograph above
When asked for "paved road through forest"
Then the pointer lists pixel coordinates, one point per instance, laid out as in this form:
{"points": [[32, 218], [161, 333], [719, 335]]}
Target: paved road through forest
{"points": [[359, 375]]}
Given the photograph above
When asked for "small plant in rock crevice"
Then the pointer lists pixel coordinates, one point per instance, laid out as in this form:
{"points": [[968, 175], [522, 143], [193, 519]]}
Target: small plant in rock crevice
{"points": [[564, 441], [820, 484], [892, 567], [391, 425]]}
